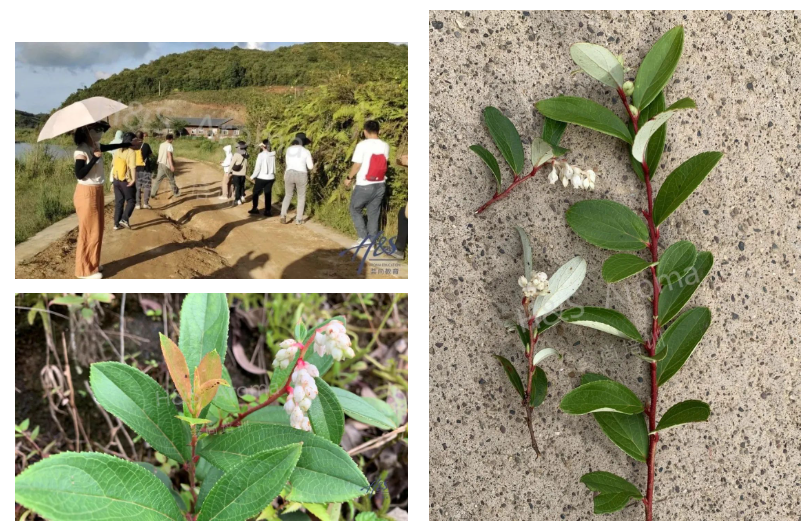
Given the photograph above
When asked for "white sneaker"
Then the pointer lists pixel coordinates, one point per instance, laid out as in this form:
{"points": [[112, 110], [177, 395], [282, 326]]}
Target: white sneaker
{"points": [[238, 203], [116, 227], [96, 276], [137, 206], [361, 243], [125, 224]]}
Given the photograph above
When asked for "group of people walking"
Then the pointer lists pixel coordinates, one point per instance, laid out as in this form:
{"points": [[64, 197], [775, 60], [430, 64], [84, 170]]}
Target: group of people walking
{"points": [[135, 181]]}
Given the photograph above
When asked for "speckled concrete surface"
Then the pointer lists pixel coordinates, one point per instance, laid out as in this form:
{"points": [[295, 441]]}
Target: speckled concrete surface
{"points": [[743, 70]]}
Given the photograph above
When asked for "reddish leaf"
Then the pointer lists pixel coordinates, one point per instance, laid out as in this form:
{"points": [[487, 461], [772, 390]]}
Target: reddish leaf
{"points": [[178, 368]]}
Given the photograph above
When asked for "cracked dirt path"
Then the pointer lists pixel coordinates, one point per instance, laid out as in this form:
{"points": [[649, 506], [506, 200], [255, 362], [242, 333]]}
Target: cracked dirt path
{"points": [[197, 236]]}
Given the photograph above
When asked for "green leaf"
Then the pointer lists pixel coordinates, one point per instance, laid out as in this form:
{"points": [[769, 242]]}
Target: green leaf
{"points": [[94, 487], [676, 294], [193, 421], [67, 300], [608, 224], [539, 388], [140, 402], [362, 410], [300, 331], [599, 62], [613, 491], [621, 266], [542, 354], [685, 103], [553, 130], [603, 319], [645, 134], [204, 322], [681, 182], [324, 473], [684, 412], [527, 260], [524, 338], [600, 396], [101, 297], [658, 67], [562, 285], [208, 482], [87, 314], [157, 472], [657, 143], [675, 262], [680, 339], [506, 138], [589, 377], [272, 414], [584, 112], [512, 374], [541, 152], [226, 398], [326, 414], [628, 431], [489, 160], [251, 485], [548, 321]]}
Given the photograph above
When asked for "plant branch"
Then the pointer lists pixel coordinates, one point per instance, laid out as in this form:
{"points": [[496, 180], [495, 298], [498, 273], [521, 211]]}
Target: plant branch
{"points": [[529, 410], [517, 180], [651, 345]]}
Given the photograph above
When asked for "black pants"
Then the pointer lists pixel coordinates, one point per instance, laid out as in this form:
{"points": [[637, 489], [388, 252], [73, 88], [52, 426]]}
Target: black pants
{"points": [[263, 186], [401, 236], [123, 193], [238, 184]]}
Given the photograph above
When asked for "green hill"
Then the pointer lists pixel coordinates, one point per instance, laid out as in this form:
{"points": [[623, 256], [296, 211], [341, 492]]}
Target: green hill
{"points": [[215, 69], [26, 120]]}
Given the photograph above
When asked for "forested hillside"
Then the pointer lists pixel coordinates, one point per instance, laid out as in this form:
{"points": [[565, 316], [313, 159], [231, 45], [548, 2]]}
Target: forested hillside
{"points": [[216, 69]]}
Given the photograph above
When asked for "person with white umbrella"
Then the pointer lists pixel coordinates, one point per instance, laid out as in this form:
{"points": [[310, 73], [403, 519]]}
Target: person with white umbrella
{"points": [[85, 119]]}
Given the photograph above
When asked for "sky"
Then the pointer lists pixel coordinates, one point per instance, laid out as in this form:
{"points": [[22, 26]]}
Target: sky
{"points": [[46, 73]]}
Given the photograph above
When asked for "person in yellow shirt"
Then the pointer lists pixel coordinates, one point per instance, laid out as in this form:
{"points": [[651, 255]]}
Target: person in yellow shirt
{"points": [[124, 165]]}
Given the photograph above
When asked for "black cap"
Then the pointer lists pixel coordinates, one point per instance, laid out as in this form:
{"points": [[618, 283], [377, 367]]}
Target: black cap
{"points": [[304, 140]]}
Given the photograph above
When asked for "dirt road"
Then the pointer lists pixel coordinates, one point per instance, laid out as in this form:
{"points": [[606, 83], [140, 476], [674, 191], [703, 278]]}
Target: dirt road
{"points": [[198, 236]]}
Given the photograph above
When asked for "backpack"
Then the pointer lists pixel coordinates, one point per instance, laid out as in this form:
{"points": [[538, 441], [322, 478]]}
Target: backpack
{"points": [[377, 167], [119, 166]]}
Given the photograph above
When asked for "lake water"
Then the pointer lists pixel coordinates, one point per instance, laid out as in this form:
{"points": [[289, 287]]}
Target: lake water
{"points": [[22, 148]]}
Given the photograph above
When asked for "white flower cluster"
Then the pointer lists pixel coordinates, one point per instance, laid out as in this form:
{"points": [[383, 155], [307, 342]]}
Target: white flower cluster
{"points": [[537, 285], [289, 348], [334, 340], [581, 179], [301, 394]]}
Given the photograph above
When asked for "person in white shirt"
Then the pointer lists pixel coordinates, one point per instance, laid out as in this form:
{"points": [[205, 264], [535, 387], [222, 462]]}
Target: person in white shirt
{"points": [[370, 165], [298, 164], [263, 178]]}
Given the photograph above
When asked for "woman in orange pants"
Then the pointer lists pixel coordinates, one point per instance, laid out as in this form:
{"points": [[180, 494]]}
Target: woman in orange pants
{"points": [[88, 198]]}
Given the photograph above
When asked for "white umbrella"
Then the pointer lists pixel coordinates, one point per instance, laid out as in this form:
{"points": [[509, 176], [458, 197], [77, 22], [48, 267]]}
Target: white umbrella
{"points": [[79, 114]]}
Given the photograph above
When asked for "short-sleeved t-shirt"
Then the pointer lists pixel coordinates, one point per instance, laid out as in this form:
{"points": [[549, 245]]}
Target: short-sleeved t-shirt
{"points": [[163, 153], [96, 175], [364, 154]]}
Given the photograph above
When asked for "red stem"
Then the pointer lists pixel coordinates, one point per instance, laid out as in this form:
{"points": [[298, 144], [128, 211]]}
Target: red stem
{"points": [[192, 464], [529, 410], [654, 235], [517, 180]]}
